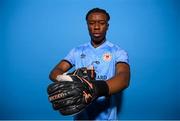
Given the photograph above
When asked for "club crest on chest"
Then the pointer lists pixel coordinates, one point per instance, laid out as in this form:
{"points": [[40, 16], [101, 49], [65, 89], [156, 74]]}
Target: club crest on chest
{"points": [[107, 57]]}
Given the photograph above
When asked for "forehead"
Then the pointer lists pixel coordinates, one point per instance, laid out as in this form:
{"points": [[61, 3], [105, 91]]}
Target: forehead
{"points": [[97, 16]]}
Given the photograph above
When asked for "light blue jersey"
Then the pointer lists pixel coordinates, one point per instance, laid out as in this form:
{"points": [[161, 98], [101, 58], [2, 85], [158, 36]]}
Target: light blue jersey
{"points": [[104, 59]]}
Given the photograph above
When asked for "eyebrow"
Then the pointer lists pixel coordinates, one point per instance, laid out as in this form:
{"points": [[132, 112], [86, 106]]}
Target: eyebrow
{"points": [[96, 20]]}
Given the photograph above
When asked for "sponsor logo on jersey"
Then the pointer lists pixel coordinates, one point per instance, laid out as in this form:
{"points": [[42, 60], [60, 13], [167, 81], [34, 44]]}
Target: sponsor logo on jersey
{"points": [[107, 57], [101, 77]]}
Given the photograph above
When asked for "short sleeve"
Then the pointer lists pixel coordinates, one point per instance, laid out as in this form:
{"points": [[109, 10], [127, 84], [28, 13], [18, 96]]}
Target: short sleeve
{"points": [[71, 57], [122, 56]]}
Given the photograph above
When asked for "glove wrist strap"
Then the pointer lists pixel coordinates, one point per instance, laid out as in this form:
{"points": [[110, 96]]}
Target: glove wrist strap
{"points": [[102, 88]]}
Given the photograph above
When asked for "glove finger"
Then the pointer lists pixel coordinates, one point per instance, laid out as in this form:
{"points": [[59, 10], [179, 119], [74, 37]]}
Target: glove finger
{"points": [[62, 94], [62, 103], [72, 110], [66, 102], [58, 85]]}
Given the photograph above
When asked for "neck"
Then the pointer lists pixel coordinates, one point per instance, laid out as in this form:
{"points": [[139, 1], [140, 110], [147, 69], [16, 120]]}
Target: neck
{"points": [[97, 44]]}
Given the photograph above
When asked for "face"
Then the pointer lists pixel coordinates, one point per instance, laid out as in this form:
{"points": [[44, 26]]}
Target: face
{"points": [[97, 26]]}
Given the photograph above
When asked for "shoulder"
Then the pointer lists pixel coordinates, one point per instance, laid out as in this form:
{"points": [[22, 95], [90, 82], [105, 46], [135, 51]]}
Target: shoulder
{"points": [[80, 47], [120, 54], [116, 47]]}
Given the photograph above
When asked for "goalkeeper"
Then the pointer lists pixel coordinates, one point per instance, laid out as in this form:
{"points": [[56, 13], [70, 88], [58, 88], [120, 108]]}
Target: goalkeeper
{"points": [[102, 70]]}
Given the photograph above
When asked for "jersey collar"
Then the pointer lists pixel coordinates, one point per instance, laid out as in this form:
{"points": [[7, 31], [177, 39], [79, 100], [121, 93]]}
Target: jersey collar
{"points": [[101, 46]]}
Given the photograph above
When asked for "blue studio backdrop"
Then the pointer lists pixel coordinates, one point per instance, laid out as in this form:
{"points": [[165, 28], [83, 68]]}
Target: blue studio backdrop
{"points": [[36, 34]]}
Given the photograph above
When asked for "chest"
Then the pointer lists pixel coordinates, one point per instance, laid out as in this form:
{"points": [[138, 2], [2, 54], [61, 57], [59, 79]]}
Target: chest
{"points": [[103, 61]]}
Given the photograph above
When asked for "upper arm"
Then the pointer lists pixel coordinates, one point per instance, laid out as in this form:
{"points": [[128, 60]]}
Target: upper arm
{"points": [[122, 64], [121, 79], [123, 70], [64, 66]]}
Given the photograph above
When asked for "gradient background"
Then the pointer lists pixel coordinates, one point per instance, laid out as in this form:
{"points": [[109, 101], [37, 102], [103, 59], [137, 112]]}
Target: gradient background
{"points": [[36, 34]]}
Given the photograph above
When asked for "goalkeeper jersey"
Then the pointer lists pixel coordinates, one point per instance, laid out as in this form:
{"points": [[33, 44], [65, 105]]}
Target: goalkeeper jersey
{"points": [[104, 59]]}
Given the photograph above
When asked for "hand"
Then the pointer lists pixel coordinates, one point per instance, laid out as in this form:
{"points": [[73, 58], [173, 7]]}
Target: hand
{"points": [[74, 92]]}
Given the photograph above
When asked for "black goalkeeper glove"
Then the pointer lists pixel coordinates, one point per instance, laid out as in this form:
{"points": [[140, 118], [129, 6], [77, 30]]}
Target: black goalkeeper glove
{"points": [[74, 92]]}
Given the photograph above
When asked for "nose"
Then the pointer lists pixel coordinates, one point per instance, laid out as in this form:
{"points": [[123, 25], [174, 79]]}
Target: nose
{"points": [[96, 26]]}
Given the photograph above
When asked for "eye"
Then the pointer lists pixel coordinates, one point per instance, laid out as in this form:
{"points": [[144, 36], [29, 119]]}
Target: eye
{"points": [[91, 22], [102, 22]]}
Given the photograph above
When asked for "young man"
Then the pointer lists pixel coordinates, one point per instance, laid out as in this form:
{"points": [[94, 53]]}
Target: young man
{"points": [[109, 61]]}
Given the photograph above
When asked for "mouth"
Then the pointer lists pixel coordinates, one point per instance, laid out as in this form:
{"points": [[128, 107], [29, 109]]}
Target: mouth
{"points": [[96, 34]]}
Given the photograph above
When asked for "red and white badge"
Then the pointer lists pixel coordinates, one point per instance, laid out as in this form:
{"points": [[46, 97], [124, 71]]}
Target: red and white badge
{"points": [[107, 57]]}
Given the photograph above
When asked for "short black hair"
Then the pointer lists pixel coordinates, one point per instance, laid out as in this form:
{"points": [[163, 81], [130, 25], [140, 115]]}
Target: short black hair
{"points": [[99, 10]]}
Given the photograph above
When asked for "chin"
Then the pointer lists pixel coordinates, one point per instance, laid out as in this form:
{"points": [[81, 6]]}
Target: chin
{"points": [[98, 40]]}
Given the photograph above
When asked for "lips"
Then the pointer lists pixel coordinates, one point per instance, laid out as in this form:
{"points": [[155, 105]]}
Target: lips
{"points": [[96, 34]]}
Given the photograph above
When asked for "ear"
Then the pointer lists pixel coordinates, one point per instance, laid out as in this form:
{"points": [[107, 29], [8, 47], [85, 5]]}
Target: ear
{"points": [[107, 26]]}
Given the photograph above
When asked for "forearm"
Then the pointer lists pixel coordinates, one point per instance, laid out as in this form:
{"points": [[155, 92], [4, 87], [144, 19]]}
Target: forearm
{"points": [[60, 68], [54, 73], [121, 80], [117, 84]]}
